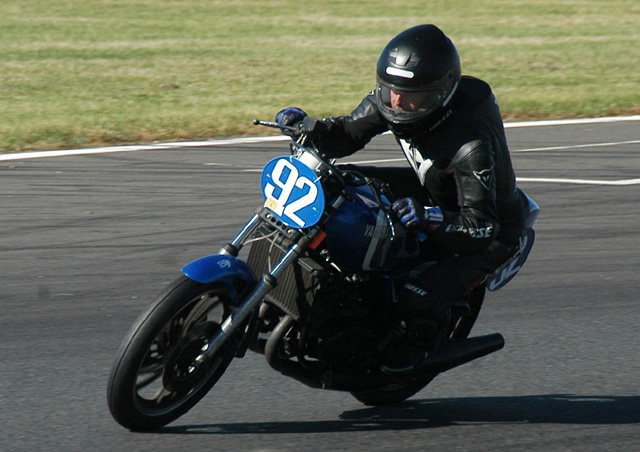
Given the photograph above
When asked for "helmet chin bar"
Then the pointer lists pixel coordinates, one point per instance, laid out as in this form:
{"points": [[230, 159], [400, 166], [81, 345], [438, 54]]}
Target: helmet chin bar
{"points": [[425, 125]]}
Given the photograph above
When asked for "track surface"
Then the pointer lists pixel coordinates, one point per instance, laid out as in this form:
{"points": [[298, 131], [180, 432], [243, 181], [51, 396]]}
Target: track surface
{"points": [[87, 241]]}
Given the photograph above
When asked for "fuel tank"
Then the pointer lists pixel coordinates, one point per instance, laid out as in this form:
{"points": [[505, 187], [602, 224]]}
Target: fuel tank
{"points": [[361, 236]]}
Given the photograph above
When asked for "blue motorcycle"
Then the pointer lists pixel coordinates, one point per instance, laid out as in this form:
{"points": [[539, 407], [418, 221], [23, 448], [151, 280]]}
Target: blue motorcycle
{"points": [[308, 282]]}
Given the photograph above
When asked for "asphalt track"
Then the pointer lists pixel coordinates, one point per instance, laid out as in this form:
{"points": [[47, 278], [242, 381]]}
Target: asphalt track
{"points": [[86, 241]]}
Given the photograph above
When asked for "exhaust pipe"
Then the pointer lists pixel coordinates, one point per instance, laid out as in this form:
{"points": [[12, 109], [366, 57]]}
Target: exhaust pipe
{"points": [[447, 356], [454, 354]]}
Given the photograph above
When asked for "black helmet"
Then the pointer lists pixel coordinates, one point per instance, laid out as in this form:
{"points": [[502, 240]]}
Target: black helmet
{"points": [[418, 73]]}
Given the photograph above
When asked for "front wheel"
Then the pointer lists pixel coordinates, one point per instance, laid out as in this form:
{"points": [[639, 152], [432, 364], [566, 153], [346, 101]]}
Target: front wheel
{"points": [[159, 374]]}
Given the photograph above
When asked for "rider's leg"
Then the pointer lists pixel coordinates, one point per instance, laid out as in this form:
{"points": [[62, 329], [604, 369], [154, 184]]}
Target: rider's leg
{"points": [[424, 302]]}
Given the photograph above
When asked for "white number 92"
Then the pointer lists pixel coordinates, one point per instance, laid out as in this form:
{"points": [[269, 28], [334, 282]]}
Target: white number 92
{"points": [[292, 199]]}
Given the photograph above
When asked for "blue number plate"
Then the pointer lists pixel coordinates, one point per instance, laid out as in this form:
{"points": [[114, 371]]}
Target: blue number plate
{"points": [[292, 192]]}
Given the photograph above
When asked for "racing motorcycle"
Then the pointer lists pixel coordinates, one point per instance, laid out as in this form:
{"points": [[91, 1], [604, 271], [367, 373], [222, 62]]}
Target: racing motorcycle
{"points": [[308, 282]]}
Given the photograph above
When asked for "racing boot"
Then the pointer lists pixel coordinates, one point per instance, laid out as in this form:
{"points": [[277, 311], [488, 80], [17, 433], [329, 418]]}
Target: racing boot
{"points": [[426, 318]]}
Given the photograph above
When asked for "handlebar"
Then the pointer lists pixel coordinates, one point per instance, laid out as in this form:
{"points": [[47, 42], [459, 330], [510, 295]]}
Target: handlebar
{"points": [[275, 125], [346, 178], [352, 178], [305, 127]]}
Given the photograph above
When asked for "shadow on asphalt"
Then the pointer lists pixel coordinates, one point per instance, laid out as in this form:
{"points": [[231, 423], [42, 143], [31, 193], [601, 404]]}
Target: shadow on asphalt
{"points": [[430, 413]]}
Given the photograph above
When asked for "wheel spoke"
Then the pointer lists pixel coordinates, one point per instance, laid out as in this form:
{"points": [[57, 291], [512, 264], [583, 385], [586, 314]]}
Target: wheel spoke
{"points": [[161, 394], [199, 313], [165, 348], [148, 377]]}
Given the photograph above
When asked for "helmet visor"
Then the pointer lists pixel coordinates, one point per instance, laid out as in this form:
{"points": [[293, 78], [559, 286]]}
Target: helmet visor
{"points": [[402, 105]]}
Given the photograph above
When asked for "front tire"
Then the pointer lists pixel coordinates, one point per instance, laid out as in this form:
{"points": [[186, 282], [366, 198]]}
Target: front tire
{"points": [[156, 377]]}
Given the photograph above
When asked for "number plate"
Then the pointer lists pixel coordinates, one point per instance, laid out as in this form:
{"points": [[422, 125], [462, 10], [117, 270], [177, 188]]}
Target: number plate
{"points": [[292, 192]]}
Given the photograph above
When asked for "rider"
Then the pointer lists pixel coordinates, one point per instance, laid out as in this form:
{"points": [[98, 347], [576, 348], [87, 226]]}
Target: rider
{"points": [[460, 188]]}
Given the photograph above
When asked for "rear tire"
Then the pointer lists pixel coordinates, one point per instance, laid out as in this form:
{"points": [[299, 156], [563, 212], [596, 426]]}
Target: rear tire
{"points": [[156, 377], [398, 392]]}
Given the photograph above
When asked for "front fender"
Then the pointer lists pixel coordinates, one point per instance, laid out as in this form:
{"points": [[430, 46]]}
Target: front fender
{"points": [[234, 273]]}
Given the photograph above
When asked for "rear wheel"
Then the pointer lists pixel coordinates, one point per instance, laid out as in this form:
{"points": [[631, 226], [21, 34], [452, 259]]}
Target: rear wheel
{"points": [[462, 321], [159, 373]]}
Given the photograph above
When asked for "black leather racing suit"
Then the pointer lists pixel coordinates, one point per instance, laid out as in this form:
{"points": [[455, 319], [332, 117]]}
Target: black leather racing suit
{"points": [[462, 164]]}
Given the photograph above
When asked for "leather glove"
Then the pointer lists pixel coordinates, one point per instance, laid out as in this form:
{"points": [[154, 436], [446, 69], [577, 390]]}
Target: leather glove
{"points": [[290, 116], [412, 214]]}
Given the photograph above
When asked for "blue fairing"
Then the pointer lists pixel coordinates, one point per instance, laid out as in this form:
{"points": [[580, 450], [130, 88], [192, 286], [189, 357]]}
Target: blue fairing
{"points": [[220, 268]]}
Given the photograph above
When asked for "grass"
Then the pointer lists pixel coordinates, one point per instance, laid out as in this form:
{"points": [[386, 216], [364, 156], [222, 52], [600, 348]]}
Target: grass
{"points": [[80, 73]]}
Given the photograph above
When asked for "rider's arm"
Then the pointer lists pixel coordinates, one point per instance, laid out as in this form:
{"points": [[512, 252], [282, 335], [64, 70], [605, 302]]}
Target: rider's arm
{"points": [[343, 135], [476, 224]]}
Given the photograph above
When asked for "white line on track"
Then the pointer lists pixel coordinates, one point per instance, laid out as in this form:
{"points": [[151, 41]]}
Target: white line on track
{"points": [[136, 148], [190, 144], [575, 146], [226, 142], [568, 122], [613, 183]]}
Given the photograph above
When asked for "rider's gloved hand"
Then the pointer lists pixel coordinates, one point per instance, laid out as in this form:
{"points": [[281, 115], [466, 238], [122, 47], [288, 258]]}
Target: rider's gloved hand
{"points": [[290, 116], [411, 213]]}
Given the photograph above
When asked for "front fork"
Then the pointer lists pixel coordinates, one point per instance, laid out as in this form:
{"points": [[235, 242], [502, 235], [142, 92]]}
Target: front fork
{"points": [[264, 285]]}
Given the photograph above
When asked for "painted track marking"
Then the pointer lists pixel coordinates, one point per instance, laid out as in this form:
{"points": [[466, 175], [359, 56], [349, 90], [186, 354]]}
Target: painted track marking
{"points": [[209, 143]]}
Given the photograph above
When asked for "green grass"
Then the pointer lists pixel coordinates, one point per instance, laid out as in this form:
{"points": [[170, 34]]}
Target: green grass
{"points": [[76, 73]]}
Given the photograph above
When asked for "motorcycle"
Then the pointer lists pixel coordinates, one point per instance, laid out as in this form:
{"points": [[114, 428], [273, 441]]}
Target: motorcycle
{"points": [[307, 282]]}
